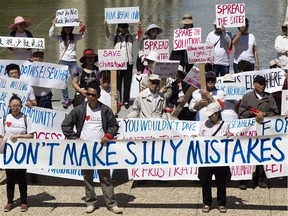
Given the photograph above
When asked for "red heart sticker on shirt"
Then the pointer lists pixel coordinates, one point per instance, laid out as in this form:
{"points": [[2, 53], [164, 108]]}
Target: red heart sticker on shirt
{"points": [[87, 118], [8, 124]]}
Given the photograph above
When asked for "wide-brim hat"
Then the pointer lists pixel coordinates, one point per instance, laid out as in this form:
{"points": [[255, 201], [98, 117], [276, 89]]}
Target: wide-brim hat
{"points": [[187, 19], [228, 78], [181, 70], [88, 53], [18, 20], [152, 56], [152, 26], [276, 62], [212, 108]]}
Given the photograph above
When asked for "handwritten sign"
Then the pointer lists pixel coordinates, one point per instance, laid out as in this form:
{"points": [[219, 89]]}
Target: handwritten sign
{"points": [[193, 77], [123, 154], [8, 87], [230, 15], [166, 68], [200, 53], [67, 17], [113, 59], [284, 102], [233, 91], [159, 46], [275, 78], [186, 37], [22, 42], [122, 15], [23, 64]]}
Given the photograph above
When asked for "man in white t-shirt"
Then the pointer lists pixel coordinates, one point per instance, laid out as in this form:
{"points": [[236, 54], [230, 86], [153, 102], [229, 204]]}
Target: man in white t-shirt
{"points": [[94, 121], [221, 40], [13, 71]]}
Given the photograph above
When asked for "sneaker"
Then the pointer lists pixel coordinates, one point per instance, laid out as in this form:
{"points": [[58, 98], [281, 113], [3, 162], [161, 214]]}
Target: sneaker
{"points": [[243, 187], [24, 208], [206, 209], [8, 207], [126, 105], [66, 103], [222, 209], [90, 209], [116, 210]]}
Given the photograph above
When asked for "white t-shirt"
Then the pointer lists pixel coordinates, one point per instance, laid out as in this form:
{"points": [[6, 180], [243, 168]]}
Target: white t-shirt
{"points": [[221, 49], [92, 128], [21, 53], [244, 48], [16, 125]]}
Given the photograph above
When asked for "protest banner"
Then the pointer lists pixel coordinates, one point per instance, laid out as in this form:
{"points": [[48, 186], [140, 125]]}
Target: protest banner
{"points": [[47, 75], [284, 103], [123, 154], [159, 46], [275, 79], [67, 17], [112, 59], [186, 37], [193, 77], [200, 53], [166, 68], [230, 15], [122, 15], [233, 91], [22, 42], [25, 66], [8, 87]]}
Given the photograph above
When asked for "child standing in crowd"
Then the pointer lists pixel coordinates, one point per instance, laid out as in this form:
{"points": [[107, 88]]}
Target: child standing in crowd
{"points": [[19, 30], [20, 126], [67, 51], [124, 40]]}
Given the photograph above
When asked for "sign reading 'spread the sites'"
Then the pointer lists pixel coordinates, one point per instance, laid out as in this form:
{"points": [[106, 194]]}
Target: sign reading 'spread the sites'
{"points": [[122, 15], [159, 46], [200, 53], [186, 37], [230, 15], [67, 17], [113, 59], [22, 42]]}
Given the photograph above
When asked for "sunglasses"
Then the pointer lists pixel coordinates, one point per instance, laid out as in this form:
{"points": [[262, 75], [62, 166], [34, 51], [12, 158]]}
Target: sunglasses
{"points": [[91, 94], [210, 80], [155, 82]]}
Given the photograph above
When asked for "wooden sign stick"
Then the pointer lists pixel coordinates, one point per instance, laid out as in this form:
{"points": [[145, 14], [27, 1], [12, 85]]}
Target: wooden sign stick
{"points": [[113, 84]]}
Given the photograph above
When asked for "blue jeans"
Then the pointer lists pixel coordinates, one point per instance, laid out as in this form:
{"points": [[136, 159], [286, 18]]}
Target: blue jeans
{"points": [[72, 65], [220, 70]]}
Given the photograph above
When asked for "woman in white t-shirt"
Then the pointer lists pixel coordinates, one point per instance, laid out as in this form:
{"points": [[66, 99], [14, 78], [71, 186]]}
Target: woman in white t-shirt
{"points": [[246, 52], [16, 125]]}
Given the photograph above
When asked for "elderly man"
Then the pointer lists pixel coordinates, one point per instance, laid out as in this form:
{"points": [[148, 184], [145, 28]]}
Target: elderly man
{"points": [[259, 104]]}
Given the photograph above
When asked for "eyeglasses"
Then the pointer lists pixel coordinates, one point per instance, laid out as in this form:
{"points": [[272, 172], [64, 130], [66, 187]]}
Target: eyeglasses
{"points": [[91, 94], [16, 106], [155, 82]]}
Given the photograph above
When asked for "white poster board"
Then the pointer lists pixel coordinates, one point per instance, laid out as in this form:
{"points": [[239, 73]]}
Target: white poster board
{"points": [[233, 91], [67, 17], [230, 15], [186, 37], [112, 59], [200, 53], [166, 68], [159, 46], [122, 15], [22, 42]]}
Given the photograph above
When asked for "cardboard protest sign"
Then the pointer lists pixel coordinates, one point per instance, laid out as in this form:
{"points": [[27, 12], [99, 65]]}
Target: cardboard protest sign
{"points": [[67, 17], [22, 42], [275, 79], [166, 68], [200, 53], [186, 37], [193, 77], [230, 15], [284, 102], [159, 46], [47, 75], [233, 91], [113, 59], [8, 87], [123, 154], [122, 15]]}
